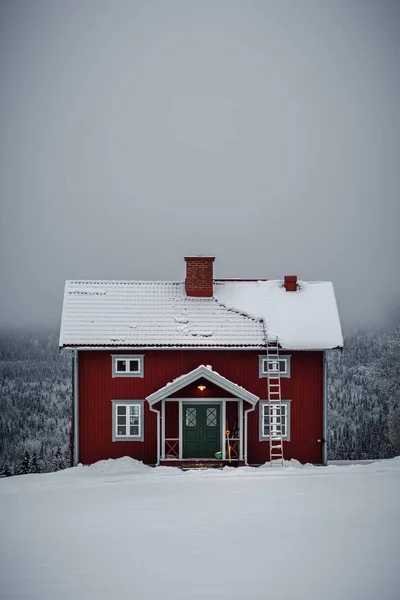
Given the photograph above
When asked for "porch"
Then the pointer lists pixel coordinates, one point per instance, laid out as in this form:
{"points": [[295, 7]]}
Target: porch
{"points": [[202, 420]]}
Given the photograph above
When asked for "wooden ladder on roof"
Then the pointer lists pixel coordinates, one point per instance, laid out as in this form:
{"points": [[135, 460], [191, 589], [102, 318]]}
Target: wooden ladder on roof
{"points": [[274, 404]]}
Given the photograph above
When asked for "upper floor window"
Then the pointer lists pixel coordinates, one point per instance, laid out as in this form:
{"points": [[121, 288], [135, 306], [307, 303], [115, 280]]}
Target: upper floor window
{"points": [[274, 366], [127, 365]]}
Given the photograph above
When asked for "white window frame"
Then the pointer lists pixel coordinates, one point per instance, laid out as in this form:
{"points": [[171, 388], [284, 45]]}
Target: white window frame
{"points": [[127, 437], [126, 358], [264, 407], [263, 371]]}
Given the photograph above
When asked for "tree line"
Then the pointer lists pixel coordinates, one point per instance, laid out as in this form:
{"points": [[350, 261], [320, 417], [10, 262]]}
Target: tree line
{"points": [[35, 404], [36, 401]]}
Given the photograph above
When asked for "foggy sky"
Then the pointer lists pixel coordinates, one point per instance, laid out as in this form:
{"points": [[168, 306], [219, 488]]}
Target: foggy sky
{"points": [[135, 132]]}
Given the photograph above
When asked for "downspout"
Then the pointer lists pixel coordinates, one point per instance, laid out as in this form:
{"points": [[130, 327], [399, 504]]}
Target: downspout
{"points": [[325, 413], [157, 412], [246, 412], [75, 415], [71, 429]]}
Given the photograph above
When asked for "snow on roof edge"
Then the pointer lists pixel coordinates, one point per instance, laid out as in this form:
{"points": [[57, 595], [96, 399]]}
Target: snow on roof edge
{"points": [[63, 314]]}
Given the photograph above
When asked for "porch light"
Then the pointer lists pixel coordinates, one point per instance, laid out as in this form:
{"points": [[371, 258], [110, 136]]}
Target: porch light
{"points": [[201, 387]]}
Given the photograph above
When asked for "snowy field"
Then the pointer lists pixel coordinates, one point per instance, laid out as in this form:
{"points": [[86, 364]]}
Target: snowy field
{"points": [[119, 529]]}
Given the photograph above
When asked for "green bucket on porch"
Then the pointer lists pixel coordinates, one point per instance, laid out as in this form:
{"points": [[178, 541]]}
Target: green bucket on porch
{"points": [[218, 455]]}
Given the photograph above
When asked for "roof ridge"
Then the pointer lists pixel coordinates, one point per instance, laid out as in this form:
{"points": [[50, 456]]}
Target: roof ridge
{"points": [[122, 282], [178, 282]]}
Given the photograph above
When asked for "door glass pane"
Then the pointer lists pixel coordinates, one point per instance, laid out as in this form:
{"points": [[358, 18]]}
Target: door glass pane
{"points": [[191, 417], [211, 417]]}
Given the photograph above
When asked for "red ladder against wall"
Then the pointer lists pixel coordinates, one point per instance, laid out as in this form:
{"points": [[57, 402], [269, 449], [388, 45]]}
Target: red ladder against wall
{"points": [[274, 404]]}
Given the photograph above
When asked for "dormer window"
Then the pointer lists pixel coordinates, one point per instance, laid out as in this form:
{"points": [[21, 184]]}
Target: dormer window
{"points": [[127, 365], [274, 367]]}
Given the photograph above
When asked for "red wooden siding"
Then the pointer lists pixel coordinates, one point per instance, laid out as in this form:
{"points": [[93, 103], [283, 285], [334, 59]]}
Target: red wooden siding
{"points": [[171, 419], [305, 390], [97, 388], [232, 416]]}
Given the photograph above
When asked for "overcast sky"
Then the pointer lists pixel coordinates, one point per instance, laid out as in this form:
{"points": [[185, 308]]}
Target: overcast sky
{"points": [[132, 133]]}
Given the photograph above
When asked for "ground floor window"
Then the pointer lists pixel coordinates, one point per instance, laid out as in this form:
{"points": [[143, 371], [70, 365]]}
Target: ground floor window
{"points": [[278, 421], [127, 420]]}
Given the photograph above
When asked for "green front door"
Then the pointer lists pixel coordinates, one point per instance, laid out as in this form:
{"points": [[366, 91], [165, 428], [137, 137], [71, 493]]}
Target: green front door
{"points": [[201, 430]]}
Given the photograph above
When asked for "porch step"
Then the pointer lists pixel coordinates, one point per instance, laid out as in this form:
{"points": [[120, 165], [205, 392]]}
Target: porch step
{"points": [[201, 464]]}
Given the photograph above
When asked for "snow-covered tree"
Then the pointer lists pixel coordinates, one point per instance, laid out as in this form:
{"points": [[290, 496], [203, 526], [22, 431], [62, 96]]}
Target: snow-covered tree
{"points": [[25, 465], [394, 429], [58, 462], [387, 368], [34, 467], [5, 470]]}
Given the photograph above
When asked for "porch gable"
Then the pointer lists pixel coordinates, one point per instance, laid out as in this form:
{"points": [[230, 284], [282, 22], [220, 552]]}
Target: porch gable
{"points": [[206, 373]]}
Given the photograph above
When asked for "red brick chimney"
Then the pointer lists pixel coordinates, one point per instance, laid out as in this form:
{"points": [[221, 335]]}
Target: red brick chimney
{"points": [[290, 283], [199, 276]]}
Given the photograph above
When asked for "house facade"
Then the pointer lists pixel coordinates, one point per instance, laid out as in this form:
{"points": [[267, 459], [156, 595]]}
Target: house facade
{"points": [[202, 371]]}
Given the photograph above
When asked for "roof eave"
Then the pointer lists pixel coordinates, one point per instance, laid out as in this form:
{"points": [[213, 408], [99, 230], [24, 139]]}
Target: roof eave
{"points": [[162, 347]]}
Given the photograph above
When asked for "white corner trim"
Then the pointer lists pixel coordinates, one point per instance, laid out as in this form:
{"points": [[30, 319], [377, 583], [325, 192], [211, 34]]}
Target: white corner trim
{"points": [[76, 408]]}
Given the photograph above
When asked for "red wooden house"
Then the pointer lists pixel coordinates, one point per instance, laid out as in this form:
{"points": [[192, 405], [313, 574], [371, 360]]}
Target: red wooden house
{"points": [[202, 370]]}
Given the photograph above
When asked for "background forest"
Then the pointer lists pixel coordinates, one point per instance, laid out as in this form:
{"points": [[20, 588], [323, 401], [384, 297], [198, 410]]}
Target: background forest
{"points": [[35, 400]]}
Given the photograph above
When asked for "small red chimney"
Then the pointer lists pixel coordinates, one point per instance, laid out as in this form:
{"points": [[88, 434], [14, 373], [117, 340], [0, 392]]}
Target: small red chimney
{"points": [[199, 276], [290, 283]]}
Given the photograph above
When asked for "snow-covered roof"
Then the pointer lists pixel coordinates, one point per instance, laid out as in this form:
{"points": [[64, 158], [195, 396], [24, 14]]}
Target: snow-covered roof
{"points": [[307, 319], [151, 314], [202, 372], [160, 314]]}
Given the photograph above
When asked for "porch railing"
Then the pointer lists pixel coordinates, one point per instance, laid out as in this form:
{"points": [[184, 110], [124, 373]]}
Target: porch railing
{"points": [[234, 445], [232, 448], [172, 448]]}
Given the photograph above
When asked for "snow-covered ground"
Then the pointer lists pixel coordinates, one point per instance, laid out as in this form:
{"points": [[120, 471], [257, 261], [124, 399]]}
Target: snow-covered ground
{"points": [[119, 529]]}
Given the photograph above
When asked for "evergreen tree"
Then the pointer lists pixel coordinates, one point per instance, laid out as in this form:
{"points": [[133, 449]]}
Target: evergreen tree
{"points": [[25, 465], [34, 467], [394, 429], [386, 369], [58, 461], [5, 471]]}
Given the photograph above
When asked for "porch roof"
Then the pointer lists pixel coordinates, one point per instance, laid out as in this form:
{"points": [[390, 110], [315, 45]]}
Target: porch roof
{"points": [[203, 372]]}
